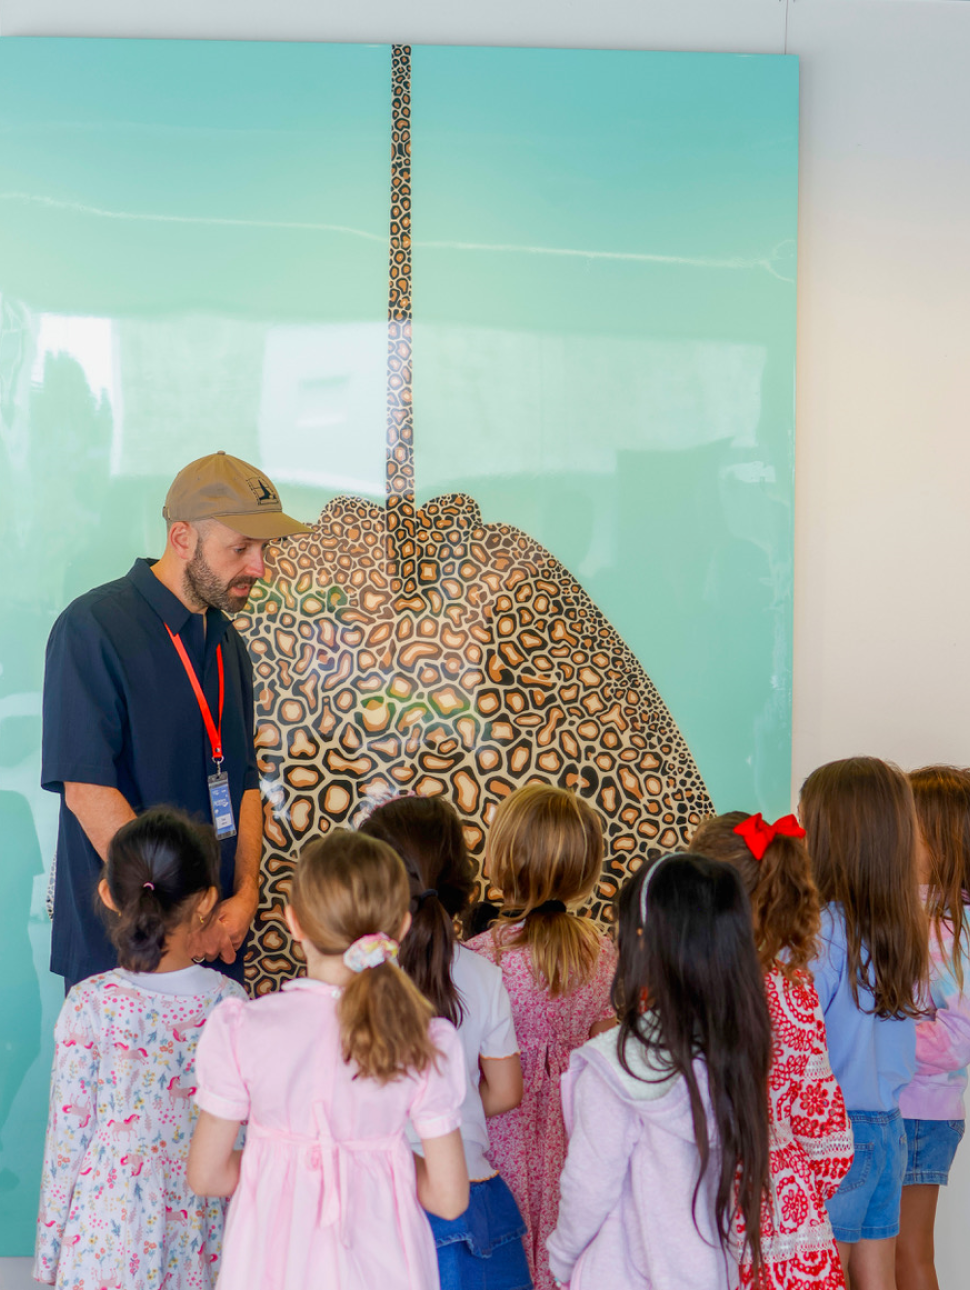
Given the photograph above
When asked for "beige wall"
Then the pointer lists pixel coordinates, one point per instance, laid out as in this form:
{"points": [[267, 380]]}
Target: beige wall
{"points": [[882, 525]]}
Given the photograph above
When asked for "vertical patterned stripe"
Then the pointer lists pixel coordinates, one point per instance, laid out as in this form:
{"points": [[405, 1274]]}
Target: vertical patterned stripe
{"points": [[400, 424]]}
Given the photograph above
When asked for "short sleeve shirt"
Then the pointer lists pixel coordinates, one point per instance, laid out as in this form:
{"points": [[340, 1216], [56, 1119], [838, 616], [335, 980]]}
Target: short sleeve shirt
{"points": [[486, 1029], [119, 711]]}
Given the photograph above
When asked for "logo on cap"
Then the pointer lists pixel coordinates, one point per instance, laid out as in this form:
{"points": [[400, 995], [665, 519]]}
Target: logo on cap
{"points": [[263, 491]]}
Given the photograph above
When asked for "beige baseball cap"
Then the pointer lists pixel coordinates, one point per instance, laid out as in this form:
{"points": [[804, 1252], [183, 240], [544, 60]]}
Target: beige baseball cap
{"points": [[220, 487]]}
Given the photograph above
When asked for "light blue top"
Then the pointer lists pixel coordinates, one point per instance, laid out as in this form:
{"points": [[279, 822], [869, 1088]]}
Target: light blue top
{"points": [[873, 1057]]}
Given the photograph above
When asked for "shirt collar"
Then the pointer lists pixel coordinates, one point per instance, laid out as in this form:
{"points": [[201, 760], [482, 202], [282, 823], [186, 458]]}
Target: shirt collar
{"points": [[167, 605]]}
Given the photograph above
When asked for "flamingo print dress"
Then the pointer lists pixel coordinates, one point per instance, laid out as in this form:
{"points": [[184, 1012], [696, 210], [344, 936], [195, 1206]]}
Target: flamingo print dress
{"points": [[115, 1209]]}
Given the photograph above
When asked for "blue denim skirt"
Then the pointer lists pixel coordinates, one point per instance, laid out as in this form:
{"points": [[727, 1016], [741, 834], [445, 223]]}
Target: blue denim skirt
{"points": [[482, 1250]]}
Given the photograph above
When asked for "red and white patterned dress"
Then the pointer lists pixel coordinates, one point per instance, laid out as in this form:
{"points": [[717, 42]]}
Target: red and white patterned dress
{"points": [[811, 1146], [528, 1145]]}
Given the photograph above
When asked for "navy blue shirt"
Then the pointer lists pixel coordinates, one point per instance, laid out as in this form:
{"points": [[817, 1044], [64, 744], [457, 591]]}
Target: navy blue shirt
{"points": [[119, 711]]}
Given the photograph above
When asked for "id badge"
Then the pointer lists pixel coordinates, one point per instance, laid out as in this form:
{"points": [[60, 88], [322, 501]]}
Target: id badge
{"points": [[221, 804]]}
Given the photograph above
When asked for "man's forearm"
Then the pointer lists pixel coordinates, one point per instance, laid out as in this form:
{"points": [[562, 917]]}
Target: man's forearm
{"points": [[100, 811], [249, 846]]}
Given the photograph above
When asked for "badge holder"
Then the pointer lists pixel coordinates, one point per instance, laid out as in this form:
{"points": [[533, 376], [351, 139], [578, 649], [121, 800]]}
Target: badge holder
{"points": [[221, 803]]}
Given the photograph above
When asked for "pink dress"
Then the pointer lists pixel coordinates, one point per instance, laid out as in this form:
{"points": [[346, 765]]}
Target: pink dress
{"points": [[326, 1195], [528, 1145]]}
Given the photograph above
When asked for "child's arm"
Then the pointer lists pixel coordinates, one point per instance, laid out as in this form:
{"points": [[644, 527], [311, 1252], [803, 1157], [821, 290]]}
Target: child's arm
{"points": [[70, 1127], [501, 1083], [442, 1176], [819, 1119], [602, 1135], [943, 1040], [213, 1167]]}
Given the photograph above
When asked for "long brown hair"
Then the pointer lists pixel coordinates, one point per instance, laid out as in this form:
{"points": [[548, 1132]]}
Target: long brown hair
{"points": [[861, 823], [546, 844], [693, 957], [942, 795], [784, 899], [427, 834], [347, 886]]}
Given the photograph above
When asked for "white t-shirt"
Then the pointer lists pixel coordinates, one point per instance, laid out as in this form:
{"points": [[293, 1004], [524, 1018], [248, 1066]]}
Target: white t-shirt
{"points": [[486, 1030], [189, 980]]}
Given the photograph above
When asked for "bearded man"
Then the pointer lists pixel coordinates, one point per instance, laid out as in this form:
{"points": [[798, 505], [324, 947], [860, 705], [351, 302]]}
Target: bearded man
{"points": [[148, 701]]}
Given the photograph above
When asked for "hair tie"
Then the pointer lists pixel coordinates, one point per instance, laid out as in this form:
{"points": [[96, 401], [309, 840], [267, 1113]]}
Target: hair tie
{"points": [[149, 885], [548, 907], [370, 951], [643, 891], [430, 893], [758, 834]]}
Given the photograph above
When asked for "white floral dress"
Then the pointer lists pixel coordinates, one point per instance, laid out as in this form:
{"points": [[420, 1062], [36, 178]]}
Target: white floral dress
{"points": [[115, 1208]]}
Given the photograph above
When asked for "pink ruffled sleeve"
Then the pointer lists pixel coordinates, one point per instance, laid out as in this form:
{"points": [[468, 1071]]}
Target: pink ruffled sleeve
{"points": [[220, 1087], [440, 1089]]}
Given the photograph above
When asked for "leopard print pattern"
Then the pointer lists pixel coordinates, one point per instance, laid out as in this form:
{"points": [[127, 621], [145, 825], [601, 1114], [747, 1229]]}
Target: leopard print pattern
{"points": [[398, 649]]}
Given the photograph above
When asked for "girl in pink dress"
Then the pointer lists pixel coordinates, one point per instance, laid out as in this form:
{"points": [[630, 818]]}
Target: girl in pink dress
{"points": [[115, 1207], [328, 1072], [544, 851], [811, 1137]]}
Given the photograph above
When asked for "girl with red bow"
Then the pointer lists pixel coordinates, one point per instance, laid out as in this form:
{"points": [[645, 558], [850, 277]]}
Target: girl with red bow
{"points": [[810, 1135]]}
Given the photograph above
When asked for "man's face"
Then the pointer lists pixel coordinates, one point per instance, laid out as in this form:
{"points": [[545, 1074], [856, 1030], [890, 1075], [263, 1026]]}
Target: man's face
{"points": [[224, 567]]}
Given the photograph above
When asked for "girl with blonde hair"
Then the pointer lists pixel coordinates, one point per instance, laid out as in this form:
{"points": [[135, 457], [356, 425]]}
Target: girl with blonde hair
{"points": [[544, 852], [328, 1073]]}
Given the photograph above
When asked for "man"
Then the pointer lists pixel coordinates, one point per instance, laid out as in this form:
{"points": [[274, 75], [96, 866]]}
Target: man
{"points": [[133, 715]]}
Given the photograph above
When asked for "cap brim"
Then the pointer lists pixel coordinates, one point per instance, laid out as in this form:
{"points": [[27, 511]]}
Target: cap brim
{"points": [[268, 525]]}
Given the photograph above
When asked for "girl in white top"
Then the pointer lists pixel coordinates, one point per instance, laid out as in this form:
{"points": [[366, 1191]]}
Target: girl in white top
{"points": [[483, 1248]]}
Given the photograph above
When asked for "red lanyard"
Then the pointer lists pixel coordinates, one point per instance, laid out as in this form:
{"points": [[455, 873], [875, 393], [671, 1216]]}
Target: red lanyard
{"points": [[214, 732]]}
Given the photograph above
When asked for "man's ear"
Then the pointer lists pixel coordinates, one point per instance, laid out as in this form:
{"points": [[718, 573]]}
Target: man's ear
{"points": [[183, 538], [105, 895]]}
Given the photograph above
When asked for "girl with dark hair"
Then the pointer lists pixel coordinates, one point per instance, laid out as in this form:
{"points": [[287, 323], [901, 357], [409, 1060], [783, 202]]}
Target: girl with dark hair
{"points": [[932, 1104], [668, 1117], [811, 1139], [870, 974], [115, 1208], [544, 853], [483, 1248], [328, 1073]]}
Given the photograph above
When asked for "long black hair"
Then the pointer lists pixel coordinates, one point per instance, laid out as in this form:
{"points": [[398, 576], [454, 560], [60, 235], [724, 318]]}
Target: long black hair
{"points": [[426, 833], [156, 864], [687, 958]]}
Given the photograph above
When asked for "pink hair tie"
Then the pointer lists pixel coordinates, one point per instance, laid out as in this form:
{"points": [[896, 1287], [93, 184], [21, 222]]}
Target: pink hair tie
{"points": [[370, 951], [149, 885], [758, 834]]}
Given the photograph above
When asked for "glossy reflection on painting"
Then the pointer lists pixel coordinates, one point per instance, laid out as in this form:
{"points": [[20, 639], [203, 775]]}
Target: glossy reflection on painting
{"points": [[580, 392]]}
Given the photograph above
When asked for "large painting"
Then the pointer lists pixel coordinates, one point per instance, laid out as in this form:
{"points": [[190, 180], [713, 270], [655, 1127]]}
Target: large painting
{"points": [[513, 329]]}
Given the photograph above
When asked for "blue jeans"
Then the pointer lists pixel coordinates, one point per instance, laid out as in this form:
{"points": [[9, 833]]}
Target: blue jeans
{"points": [[482, 1250]]}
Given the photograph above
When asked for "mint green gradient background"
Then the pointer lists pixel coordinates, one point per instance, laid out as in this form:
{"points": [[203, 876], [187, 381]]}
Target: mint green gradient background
{"points": [[193, 255]]}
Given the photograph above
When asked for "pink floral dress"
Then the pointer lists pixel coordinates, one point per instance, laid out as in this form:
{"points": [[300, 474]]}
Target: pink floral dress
{"points": [[528, 1145], [115, 1208]]}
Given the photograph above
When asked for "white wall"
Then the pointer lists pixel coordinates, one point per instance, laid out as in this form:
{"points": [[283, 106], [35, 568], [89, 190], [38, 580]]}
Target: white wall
{"points": [[883, 406]]}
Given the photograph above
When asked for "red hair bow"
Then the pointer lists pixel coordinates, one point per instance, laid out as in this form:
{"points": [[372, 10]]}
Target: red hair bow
{"points": [[759, 834]]}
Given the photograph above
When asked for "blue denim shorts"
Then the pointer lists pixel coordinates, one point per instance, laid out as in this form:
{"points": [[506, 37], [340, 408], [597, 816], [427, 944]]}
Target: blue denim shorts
{"points": [[930, 1148], [866, 1206], [482, 1250]]}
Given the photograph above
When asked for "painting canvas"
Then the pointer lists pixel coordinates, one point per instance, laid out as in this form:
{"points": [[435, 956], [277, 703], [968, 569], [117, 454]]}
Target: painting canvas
{"points": [[513, 329]]}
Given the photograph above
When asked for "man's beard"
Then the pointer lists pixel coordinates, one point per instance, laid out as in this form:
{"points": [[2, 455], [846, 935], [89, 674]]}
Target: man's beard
{"points": [[208, 590]]}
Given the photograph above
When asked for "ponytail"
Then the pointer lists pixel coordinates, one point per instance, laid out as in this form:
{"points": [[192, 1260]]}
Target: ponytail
{"points": [[348, 886], [384, 1024], [426, 833], [785, 904], [545, 848], [157, 863]]}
